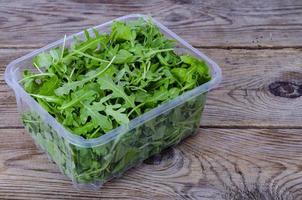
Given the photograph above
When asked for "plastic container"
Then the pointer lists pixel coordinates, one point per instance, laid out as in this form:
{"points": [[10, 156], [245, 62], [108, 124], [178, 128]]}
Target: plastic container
{"points": [[91, 162]]}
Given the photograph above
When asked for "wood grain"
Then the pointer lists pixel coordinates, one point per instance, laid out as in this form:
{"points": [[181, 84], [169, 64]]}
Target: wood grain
{"points": [[243, 99], [222, 24], [220, 164], [250, 143]]}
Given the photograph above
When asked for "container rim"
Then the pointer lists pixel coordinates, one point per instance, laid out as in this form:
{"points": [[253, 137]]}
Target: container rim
{"points": [[82, 142]]}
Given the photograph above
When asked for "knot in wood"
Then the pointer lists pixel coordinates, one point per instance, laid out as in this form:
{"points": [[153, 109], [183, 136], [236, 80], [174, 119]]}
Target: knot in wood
{"points": [[164, 156], [285, 89]]}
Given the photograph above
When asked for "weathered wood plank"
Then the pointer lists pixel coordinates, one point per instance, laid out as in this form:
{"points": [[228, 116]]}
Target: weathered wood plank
{"points": [[273, 23], [220, 164], [215, 164], [243, 99]]}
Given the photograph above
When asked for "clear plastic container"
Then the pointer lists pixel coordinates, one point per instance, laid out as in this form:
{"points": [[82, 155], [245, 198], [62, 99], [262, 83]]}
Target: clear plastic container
{"points": [[91, 162]]}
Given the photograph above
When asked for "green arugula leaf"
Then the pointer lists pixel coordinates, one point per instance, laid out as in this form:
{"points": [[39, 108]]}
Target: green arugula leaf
{"points": [[123, 56], [77, 97], [122, 32], [29, 82], [53, 99], [84, 129], [106, 83], [159, 95], [117, 113], [47, 88], [97, 118], [180, 74], [55, 54], [43, 60], [66, 88]]}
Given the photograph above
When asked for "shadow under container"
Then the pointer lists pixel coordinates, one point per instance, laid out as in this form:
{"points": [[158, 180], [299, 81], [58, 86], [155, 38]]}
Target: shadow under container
{"points": [[91, 162]]}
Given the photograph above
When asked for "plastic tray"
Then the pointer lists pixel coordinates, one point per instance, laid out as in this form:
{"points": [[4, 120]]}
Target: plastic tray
{"points": [[91, 162]]}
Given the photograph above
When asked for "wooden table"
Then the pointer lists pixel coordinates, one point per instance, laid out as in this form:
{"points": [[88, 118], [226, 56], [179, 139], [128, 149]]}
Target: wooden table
{"points": [[250, 140]]}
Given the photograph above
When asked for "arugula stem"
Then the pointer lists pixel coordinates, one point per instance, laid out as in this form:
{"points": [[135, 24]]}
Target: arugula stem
{"points": [[148, 65], [47, 98], [82, 48], [158, 51], [30, 121], [94, 133], [37, 67], [135, 108], [91, 57], [144, 72], [71, 74], [74, 101], [99, 73], [137, 88], [63, 47], [35, 75]]}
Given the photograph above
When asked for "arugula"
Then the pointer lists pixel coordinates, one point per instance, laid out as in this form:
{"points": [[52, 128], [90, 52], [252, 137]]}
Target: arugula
{"points": [[105, 80]]}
